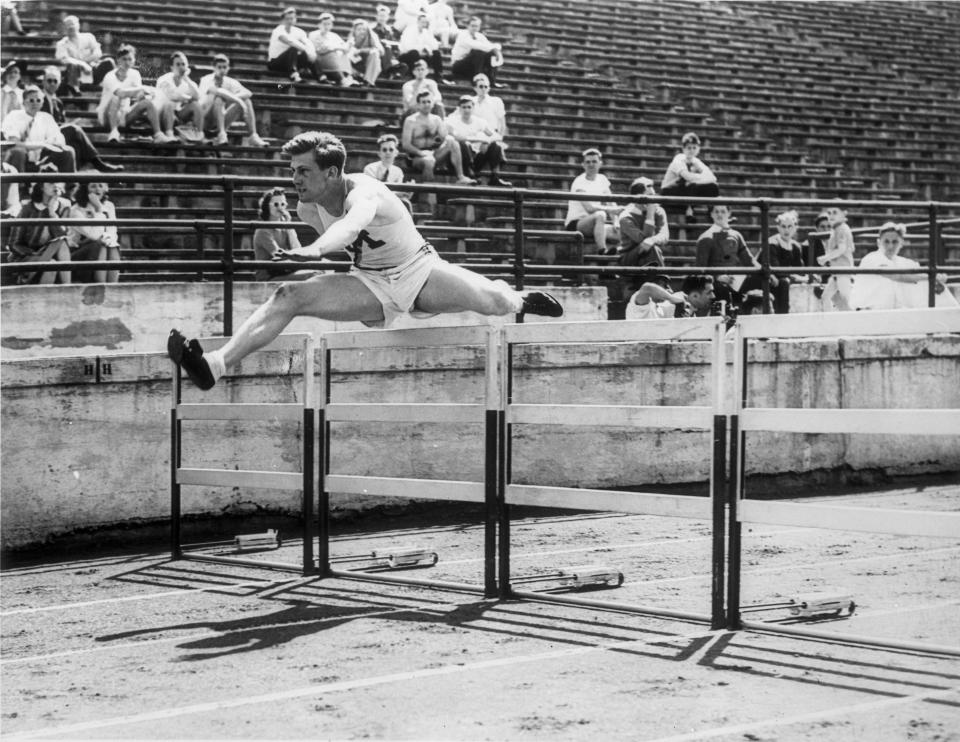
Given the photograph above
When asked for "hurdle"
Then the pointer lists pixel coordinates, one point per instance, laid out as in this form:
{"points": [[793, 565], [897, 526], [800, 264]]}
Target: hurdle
{"points": [[481, 413], [710, 417], [746, 419], [303, 481]]}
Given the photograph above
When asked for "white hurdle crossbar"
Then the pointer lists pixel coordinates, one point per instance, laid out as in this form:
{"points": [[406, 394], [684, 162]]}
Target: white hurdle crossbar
{"points": [[708, 418], [483, 413], [304, 481], [864, 421]]}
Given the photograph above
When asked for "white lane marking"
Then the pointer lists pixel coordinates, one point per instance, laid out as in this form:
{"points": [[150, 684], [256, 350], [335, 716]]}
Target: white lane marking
{"points": [[782, 721], [150, 596], [326, 688]]}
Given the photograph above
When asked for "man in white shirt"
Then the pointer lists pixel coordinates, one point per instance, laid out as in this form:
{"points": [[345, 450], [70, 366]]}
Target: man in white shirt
{"points": [[125, 99], [407, 13], [489, 107], [898, 290], [416, 42], [331, 49], [177, 100], [223, 100], [443, 24], [479, 144], [420, 82], [36, 137], [655, 299], [81, 57], [474, 53], [589, 218], [289, 49]]}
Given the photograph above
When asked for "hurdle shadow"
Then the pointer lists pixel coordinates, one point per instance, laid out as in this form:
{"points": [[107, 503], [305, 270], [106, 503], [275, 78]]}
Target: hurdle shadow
{"points": [[177, 576], [845, 670]]}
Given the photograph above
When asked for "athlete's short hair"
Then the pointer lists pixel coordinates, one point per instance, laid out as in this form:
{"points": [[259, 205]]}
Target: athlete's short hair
{"points": [[696, 283], [265, 202], [328, 151]]}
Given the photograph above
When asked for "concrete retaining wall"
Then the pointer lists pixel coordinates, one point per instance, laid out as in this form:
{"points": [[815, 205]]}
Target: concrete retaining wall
{"points": [[82, 451]]}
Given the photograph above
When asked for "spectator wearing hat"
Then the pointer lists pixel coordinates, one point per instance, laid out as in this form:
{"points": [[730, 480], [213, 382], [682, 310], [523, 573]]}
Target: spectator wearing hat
{"points": [[289, 50], [416, 42], [688, 175], [73, 134], [331, 49], [474, 53], [81, 57], [365, 51], [479, 144], [223, 100], [36, 137]]}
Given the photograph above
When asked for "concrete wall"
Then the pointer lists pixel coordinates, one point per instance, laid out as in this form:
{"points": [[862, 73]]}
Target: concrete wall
{"points": [[80, 452]]}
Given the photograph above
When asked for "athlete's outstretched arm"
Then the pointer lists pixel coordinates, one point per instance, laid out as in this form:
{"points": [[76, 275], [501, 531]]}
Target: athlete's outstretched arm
{"points": [[361, 207]]}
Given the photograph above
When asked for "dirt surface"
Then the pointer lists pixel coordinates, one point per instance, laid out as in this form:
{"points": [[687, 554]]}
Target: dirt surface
{"points": [[134, 646]]}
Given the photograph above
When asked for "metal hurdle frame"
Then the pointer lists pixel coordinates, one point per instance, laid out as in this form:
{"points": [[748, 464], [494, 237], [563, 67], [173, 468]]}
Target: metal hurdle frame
{"points": [[485, 413], [827, 420], [303, 481], [712, 418]]}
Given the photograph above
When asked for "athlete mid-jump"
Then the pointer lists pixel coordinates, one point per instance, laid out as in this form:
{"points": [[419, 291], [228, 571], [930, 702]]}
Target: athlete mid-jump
{"points": [[395, 270]]}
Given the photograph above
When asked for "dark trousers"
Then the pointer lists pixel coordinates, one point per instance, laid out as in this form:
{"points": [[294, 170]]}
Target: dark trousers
{"points": [[491, 157], [86, 153], [473, 64], [435, 60], [695, 190], [65, 161], [289, 62], [71, 75]]}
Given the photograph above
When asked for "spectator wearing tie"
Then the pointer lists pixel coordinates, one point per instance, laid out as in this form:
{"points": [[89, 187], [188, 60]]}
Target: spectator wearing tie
{"points": [[416, 42], [86, 153], [36, 137], [385, 169], [81, 57], [474, 53]]}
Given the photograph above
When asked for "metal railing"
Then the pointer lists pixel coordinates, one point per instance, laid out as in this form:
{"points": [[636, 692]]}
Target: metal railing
{"points": [[228, 264]]}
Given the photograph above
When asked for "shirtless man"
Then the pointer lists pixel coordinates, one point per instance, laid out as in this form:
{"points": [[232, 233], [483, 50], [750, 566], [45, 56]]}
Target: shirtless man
{"points": [[426, 139], [396, 271]]}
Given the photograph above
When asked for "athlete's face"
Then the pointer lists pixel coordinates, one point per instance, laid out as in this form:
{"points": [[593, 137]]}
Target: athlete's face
{"points": [[310, 180]]}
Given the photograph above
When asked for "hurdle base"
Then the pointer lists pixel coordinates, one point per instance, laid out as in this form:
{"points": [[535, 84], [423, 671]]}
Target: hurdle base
{"points": [[610, 605], [460, 587]]}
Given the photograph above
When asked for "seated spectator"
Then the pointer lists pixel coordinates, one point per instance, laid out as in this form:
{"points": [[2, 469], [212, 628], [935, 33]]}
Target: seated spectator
{"points": [[385, 169], [479, 144], [443, 24], [223, 100], [81, 57], [723, 247], [86, 153], [590, 218], [895, 291], [428, 143], [9, 10], [644, 232], [365, 51], [785, 252], [407, 13], [390, 40], [11, 94], [126, 100], [489, 107], [289, 51], [178, 100], [268, 240], [416, 42], [687, 175], [97, 242], [45, 242], [838, 252], [474, 53], [35, 137], [655, 300], [421, 83], [331, 49]]}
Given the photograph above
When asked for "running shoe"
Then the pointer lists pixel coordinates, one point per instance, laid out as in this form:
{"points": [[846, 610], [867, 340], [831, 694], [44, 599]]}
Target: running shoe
{"points": [[542, 303], [188, 355]]}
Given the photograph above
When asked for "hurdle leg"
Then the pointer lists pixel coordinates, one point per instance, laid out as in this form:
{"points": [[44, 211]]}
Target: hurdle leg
{"points": [[176, 551], [718, 495]]}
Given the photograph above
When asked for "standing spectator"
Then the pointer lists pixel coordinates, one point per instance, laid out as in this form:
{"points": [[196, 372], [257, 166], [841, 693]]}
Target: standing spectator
{"points": [[898, 290], [290, 50], [479, 144], [723, 247], [268, 240], [390, 39], [35, 137], [839, 253], [11, 94], [365, 51], [86, 153], [688, 175], [178, 100], [416, 42], [95, 241], [474, 53], [428, 143], [443, 24], [590, 218], [407, 13], [421, 83], [331, 50], [489, 107], [125, 99], [44, 242], [223, 100], [385, 169], [644, 231], [81, 57]]}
